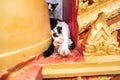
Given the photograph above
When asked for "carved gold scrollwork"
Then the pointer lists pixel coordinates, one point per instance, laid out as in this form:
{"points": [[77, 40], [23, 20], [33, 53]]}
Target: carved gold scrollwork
{"points": [[103, 40], [102, 48]]}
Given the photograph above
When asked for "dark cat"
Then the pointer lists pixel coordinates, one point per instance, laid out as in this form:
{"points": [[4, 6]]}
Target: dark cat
{"points": [[61, 40]]}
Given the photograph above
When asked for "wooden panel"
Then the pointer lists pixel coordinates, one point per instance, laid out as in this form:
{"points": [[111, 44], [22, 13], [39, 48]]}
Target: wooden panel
{"points": [[94, 65]]}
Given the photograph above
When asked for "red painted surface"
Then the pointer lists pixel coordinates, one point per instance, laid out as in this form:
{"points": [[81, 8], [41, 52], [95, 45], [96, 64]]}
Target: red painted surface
{"points": [[31, 70]]}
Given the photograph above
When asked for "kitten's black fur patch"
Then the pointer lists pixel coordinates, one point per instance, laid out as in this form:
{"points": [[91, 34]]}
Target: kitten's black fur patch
{"points": [[54, 22], [55, 35], [72, 46], [59, 29], [49, 51]]}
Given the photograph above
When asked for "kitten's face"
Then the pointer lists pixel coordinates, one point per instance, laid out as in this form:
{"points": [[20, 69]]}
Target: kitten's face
{"points": [[52, 7], [56, 27], [57, 31]]}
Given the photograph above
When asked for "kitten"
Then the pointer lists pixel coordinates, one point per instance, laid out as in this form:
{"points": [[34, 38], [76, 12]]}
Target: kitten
{"points": [[52, 7], [61, 40]]}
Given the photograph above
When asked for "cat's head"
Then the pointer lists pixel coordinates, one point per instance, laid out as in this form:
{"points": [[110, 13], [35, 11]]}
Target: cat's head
{"points": [[52, 7]]}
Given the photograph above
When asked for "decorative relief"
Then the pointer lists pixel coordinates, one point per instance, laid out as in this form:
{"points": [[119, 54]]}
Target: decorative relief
{"points": [[84, 5], [102, 48], [101, 40]]}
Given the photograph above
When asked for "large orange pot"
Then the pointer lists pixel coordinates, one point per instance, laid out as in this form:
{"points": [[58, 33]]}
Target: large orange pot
{"points": [[24, 31]]}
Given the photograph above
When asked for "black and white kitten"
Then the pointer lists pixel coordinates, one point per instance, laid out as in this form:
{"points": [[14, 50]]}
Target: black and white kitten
{"points": [[52, 7], [61, 40]]}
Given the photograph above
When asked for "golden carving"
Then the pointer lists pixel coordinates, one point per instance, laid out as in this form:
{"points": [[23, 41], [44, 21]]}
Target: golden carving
{"points": [[101, 40]]}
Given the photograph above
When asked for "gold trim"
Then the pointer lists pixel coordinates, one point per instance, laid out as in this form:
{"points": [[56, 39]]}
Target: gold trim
{"points": [[23, 49]]}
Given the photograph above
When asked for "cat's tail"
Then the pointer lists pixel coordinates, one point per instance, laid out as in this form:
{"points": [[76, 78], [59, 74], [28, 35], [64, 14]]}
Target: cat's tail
{"points": [[49, 51]]}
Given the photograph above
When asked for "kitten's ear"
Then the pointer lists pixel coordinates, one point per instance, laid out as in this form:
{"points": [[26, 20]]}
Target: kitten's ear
{"points": [[55, 5], [48, 3]]}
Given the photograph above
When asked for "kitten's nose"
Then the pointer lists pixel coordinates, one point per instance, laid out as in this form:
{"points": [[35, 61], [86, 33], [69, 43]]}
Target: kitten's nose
{"points": [[50, 12]]}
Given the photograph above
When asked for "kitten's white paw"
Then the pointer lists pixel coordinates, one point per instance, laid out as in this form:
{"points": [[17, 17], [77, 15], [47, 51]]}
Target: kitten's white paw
{"points": [[63, 50]]}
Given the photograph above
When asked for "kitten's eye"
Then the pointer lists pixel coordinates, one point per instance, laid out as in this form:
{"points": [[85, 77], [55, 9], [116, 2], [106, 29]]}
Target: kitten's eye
{"points": [[55, 35], [59, 29]]}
